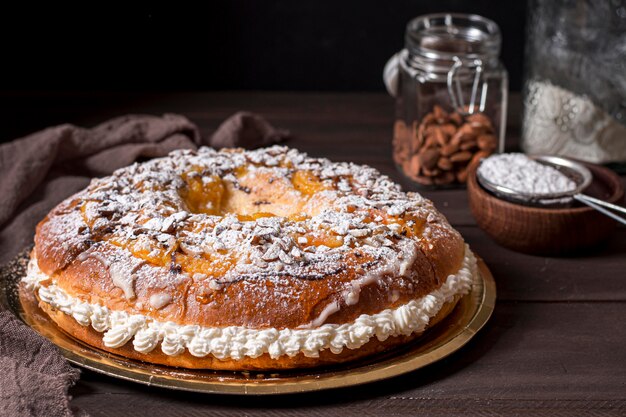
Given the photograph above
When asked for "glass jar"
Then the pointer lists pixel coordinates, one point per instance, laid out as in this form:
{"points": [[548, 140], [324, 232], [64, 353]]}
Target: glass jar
{"points": [[575, 80], [451, 96]]}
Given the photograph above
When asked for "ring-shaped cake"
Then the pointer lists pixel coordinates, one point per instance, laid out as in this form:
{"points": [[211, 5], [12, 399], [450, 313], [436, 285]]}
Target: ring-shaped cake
{"points": [[247, 260]]}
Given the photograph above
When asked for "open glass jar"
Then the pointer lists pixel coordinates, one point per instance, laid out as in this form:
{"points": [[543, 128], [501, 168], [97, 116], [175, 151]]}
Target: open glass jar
{"points": [[451, 96]]}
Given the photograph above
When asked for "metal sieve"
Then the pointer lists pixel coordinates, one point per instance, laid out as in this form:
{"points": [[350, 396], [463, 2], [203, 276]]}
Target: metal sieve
{"points": [[577, 172]]}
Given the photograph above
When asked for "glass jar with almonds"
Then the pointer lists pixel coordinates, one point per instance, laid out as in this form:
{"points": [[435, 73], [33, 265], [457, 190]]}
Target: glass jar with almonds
{"points": [[451, 95]]}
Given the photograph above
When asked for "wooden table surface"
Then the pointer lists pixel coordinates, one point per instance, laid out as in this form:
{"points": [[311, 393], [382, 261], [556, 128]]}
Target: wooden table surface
{"points": [[556, 344]]}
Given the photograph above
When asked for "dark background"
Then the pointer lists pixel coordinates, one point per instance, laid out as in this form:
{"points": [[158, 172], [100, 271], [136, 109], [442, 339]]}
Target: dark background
{"points": [[226, 45], [114, 60]]}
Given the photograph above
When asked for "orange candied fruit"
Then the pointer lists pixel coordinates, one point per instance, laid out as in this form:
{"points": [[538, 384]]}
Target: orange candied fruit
{"points": [[254, 216], [320, 238], [203, 196], [307, 183]]}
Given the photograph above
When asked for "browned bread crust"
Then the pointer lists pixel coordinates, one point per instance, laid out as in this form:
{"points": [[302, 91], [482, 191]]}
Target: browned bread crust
{"points": [[76, 252], [243, 303]]}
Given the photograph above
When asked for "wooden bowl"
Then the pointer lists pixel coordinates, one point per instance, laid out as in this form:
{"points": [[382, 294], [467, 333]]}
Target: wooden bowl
{"points": [[546, 231]]}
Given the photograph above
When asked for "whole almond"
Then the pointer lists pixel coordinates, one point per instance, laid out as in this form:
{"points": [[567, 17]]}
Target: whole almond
{"points": [[487, 142], [449, 149], [444, 164], [480, 129], [431, 172], [430, 142], [440, 115], [465, 137], [479, 119], [415, 145], [461, 156], [468, 145], [448, 129], [467, 129], [416, 165], [406, 166], [456, 118], [440, 136], [462, 136], [478, 156], [428, 158], [419, 135], [456, 139]]}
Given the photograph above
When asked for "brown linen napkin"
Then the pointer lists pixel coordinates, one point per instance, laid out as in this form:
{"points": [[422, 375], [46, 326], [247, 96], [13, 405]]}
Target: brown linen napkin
{"points": [[39, 171], [35, 377], [246, 130]]}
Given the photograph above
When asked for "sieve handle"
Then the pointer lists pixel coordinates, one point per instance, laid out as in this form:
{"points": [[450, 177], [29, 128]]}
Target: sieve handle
{"points": [[600, 206]]}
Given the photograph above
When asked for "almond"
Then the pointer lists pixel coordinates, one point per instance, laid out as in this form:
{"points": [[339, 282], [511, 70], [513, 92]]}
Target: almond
{"points": [[487, 142], [468, 145], [478, 156], [406, 166], [461, 136], [431, 172], [467, 137], [448, 129], [428, 158], [467, 130], [416, 165], [449, 149], [440, 114], [479, 119], [431, 142], [480, 129], [440, 136], [417, 140], [462, 156], [430, 130], [456, 118], [444, 164]]}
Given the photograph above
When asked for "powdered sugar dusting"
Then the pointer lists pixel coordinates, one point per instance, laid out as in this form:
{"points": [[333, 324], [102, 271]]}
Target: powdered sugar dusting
{"points": [[522, 174], [142, 208]]}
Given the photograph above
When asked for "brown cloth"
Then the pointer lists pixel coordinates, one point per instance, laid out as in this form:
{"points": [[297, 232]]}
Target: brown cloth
{"points": [[39, 171], [35, 377]]}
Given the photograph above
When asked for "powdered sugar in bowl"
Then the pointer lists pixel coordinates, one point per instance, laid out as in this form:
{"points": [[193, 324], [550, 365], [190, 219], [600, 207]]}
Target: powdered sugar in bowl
{"points": [[533, 204], [540, 180]]}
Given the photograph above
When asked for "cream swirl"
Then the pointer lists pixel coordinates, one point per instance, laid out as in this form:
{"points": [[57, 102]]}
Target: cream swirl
{"points": [[147, 338], [236, 342]]}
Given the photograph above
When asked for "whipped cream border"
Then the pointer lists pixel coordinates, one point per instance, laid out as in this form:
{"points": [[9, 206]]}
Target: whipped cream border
{"points": [[236, 342]]}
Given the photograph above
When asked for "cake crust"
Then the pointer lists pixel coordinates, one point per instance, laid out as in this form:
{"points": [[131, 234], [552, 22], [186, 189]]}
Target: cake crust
{"points": [[308, 242]]}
